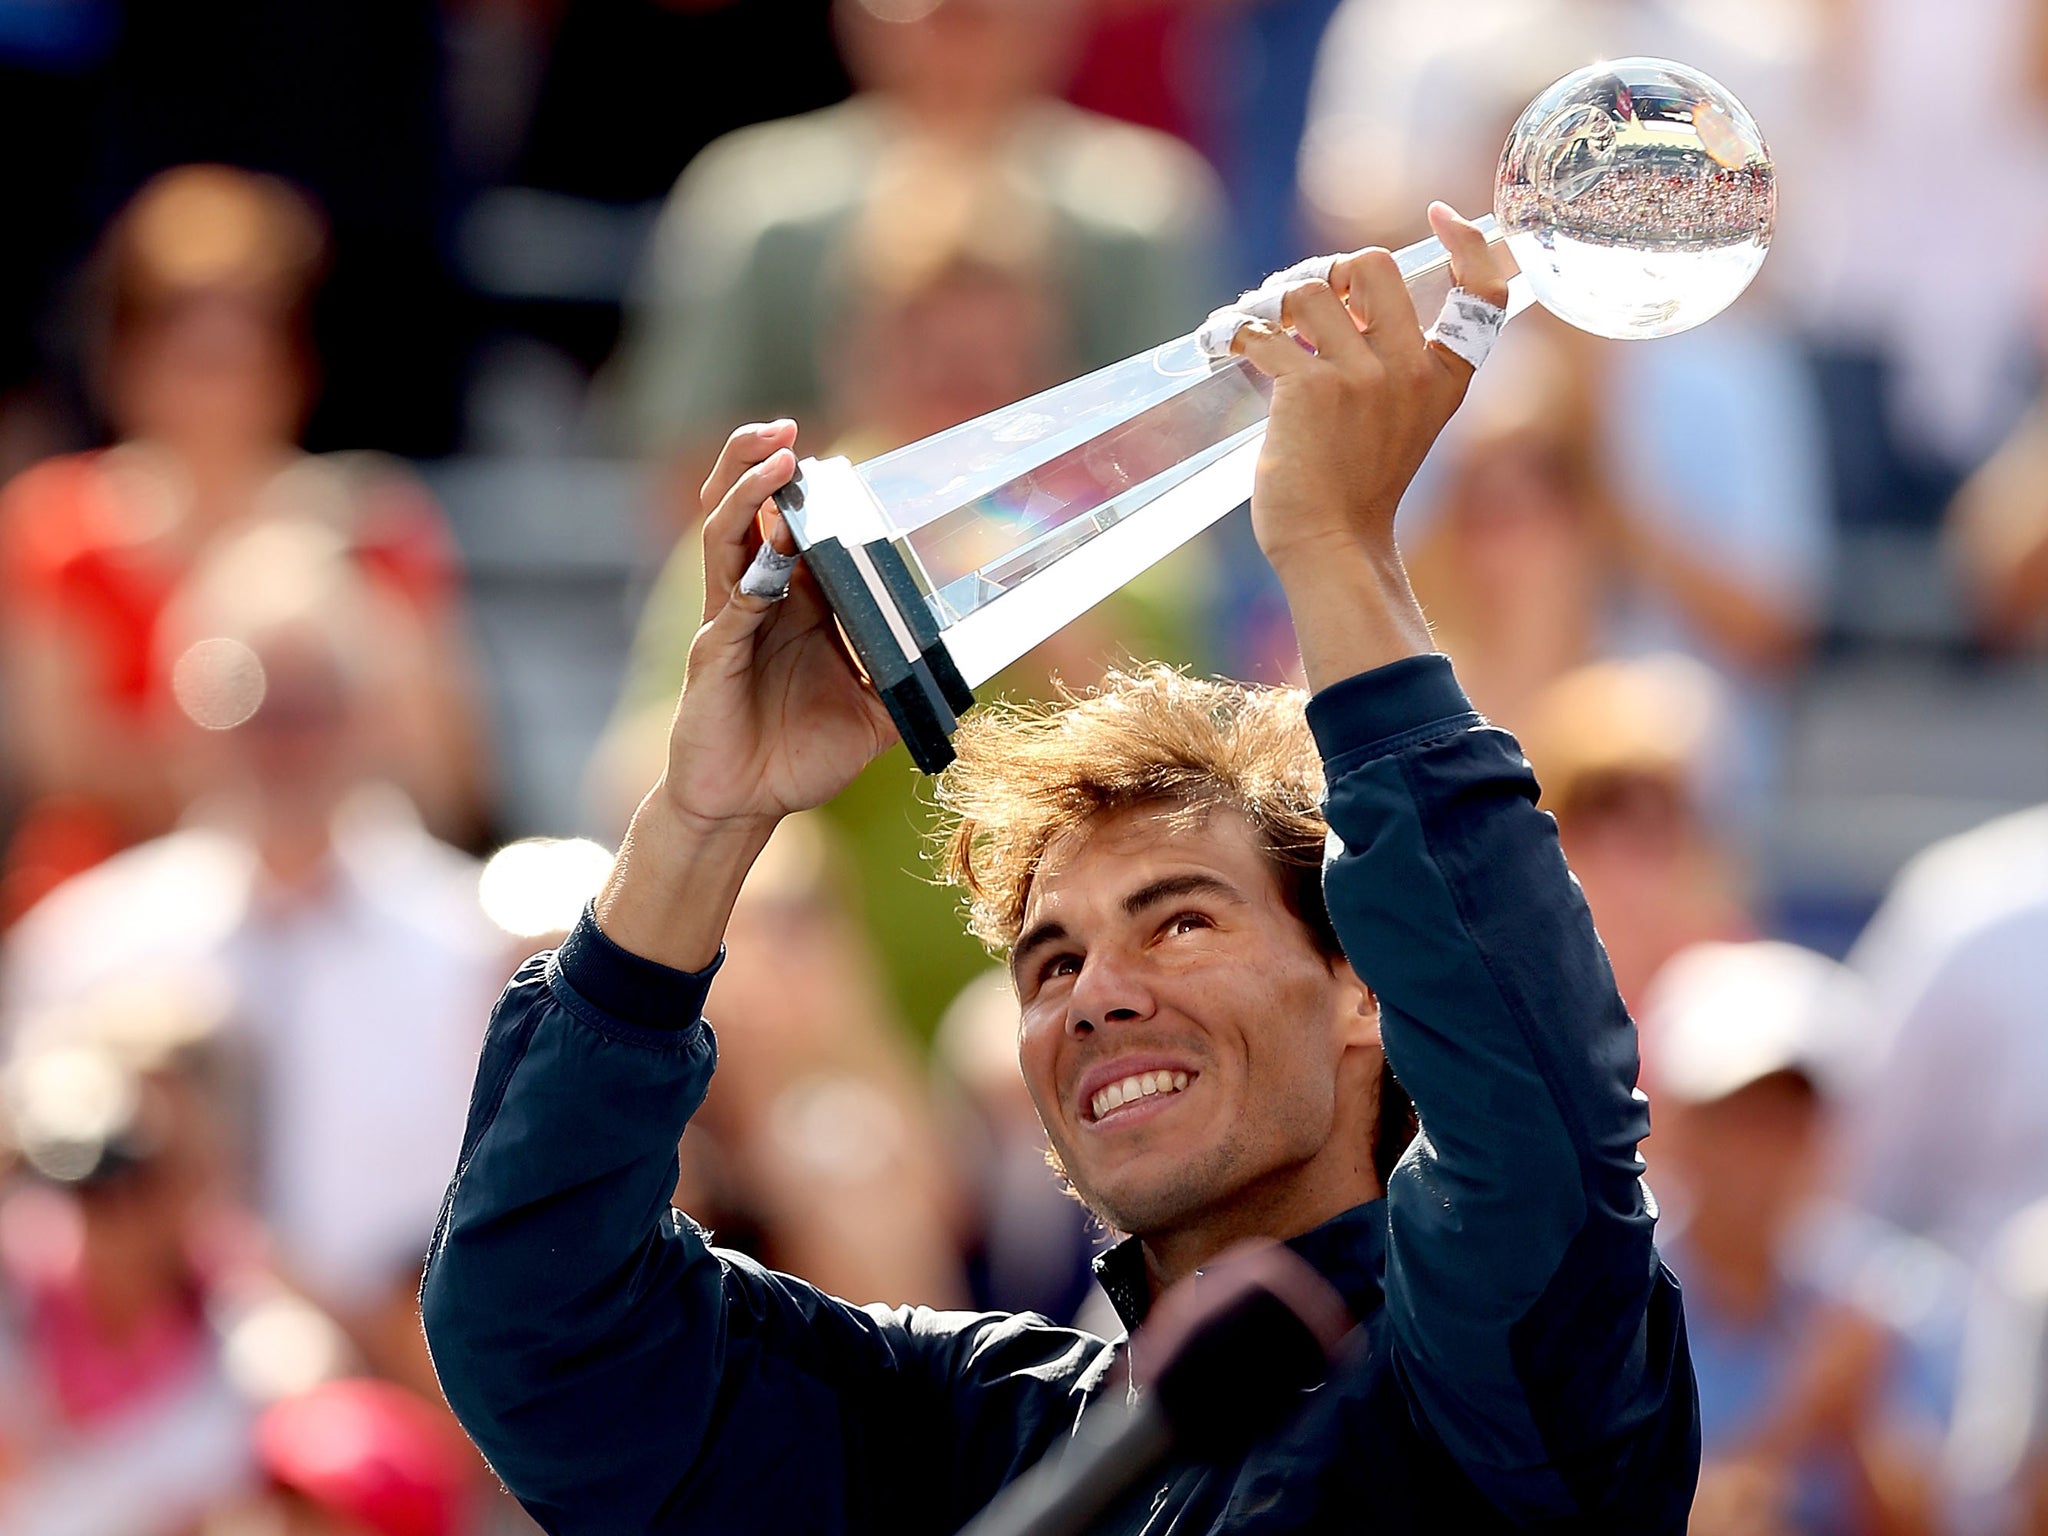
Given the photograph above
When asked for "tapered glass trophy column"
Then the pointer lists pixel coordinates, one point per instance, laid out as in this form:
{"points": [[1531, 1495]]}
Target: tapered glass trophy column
{"points": [[1637, 199]]}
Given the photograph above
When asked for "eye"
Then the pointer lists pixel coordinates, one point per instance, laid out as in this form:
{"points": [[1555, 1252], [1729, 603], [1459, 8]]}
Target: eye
{"points": [[1186, 922], [1057, 966]]}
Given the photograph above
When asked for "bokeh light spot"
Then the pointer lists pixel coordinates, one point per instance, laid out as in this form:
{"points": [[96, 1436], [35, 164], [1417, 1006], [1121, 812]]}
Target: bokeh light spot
{"points": [[218, 683], [539, 884]]}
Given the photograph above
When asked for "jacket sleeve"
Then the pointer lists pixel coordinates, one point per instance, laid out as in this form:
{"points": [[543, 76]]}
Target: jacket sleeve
{"points": [[1537, 1334], [622, 1375]]}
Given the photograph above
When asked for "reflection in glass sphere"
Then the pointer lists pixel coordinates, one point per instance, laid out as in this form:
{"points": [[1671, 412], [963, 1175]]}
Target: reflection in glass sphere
{"points": [[1638, 197]]}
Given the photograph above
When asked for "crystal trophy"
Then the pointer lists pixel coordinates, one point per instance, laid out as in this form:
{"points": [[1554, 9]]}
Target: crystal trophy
{"points": [[1636, 198]]}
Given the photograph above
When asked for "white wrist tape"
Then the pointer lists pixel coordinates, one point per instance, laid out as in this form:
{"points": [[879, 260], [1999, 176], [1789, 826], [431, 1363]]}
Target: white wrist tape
{"points": [[1468, 325], [769, 574], [1260, 303]]}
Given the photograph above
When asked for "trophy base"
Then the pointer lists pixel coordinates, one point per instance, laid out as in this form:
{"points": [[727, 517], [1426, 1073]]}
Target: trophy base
{"points": [[891, 633]]}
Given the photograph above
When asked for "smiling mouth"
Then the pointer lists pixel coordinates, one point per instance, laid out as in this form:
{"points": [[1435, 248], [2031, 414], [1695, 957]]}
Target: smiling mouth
{"points": [[1133, 1090]]}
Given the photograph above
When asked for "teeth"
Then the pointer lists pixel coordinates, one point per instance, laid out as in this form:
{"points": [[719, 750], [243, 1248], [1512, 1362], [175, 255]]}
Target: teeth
{"points": [[1140, 1086]]}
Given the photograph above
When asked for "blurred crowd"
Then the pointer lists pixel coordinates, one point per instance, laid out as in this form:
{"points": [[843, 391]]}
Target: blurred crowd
{"points": [[1767, 604]]}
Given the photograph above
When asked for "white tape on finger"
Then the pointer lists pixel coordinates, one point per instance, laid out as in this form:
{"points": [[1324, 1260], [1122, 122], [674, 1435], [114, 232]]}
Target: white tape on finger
{"points": [[768, 575], [1217, 332], [1468, 325]]}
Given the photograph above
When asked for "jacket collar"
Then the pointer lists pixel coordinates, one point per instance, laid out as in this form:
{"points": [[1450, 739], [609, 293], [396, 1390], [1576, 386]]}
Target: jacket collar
{"points": [[1349, 1251]]}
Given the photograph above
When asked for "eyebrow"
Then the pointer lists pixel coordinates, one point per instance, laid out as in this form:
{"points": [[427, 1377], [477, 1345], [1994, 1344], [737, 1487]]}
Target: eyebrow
{"points": [[1178, 885], [1164, 889]]}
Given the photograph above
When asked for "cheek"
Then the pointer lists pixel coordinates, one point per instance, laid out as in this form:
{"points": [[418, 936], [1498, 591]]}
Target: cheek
{"points": [[1038, 1045]]}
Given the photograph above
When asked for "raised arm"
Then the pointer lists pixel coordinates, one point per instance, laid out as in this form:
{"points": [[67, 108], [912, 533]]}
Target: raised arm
{"points": [[620, 1373], [1539, 1338]]}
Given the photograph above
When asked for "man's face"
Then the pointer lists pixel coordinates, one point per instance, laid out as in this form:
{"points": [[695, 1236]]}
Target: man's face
{"points": [[1180, 1033]]}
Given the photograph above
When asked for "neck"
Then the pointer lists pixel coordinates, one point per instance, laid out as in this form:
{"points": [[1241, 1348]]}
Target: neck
{"points": [[1281, 1206]]}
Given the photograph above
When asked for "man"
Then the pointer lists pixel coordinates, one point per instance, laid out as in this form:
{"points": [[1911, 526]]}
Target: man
{"points": [[1206, 1059]]}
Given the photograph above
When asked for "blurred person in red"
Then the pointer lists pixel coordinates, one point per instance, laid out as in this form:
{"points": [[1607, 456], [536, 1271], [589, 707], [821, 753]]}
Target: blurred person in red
{"points": [[734, 297], [817, 1150], [350, 943], [117, 1412], [205, 374], [354, 1458], [1621, 746], [1820, 1411]]}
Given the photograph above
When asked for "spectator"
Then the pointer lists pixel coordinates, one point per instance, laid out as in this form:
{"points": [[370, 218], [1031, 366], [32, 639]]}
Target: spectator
{"points": [[733, 301], [1807, 1384], [1621, 748], [1998, 536], [817, 1151], [116, 1411], [1964, 1048], [354, 952], [1605, 500], [355, 1458], [1998, 1448], [206, 373]]}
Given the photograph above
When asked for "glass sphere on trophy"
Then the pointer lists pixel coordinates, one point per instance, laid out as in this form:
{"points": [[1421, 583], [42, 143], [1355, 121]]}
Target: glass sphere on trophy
{"points": [[1637, 199]]}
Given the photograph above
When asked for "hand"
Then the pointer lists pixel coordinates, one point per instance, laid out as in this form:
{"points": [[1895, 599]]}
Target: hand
{"points": [[1352, 419], [774, 717], [1350, 424]]}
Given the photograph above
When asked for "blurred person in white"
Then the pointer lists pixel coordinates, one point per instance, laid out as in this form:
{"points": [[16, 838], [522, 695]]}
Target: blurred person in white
{"points": [[732, 301], [1898, 171], [351, 943], [1817, 1335], [1997, 1454], [1948, 1135], [202, 294], [1031, 1243], [117, 1246], [817, 1150]]}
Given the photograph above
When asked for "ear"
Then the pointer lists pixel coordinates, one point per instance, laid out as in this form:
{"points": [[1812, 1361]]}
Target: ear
{"points": [[1359, 1024]]}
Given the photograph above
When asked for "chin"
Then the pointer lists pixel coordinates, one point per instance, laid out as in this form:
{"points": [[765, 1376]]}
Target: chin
{"points": [[1157, 1199]]}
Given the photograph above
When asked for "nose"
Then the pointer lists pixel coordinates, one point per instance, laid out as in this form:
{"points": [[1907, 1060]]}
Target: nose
{"points": [[1111, 989]]}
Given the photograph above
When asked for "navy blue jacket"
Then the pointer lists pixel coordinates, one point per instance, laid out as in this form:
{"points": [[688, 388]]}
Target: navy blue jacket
{"points": [[1523, 1364]]}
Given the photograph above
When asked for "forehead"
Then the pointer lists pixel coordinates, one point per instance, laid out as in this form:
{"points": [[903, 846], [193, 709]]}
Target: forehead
{"points": [[1115, 851]]}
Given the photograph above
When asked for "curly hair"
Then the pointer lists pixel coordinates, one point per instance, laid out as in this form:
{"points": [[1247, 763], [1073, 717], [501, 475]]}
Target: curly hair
{"points": [[1026, 774]]}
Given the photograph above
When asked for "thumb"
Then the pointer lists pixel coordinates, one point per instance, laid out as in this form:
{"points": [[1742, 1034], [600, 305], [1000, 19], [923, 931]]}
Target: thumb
{"points": [[1476, 263]]}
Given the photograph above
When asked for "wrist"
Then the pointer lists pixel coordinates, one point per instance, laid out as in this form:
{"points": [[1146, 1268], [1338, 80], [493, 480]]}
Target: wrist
{"points": [[1341, 558], [1313, 556], [1353, 609], [672, 888]]}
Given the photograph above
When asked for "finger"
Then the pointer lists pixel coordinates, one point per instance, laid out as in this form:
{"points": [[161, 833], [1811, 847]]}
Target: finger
{"points": [[1270, 349], [775, 530], [1477, 266], [730, 534], [1371, 286], [747, 446], [1319, 317]]}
